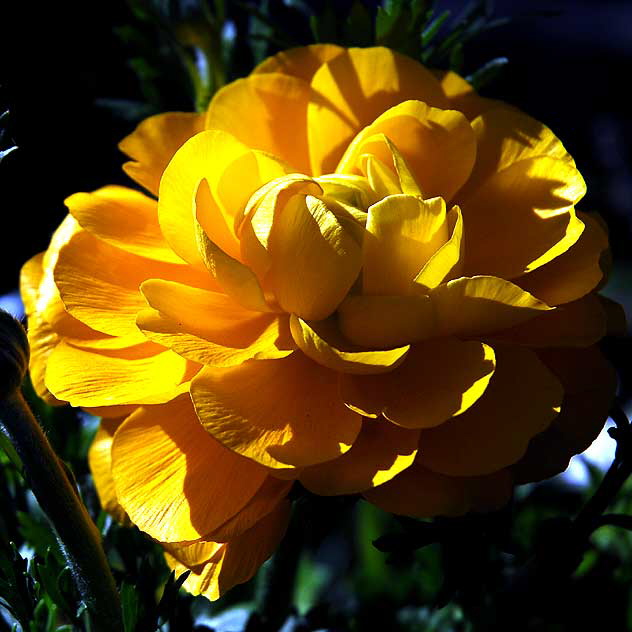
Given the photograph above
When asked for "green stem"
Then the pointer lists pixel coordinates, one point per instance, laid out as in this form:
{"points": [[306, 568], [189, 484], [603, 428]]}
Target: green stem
{"points": [[79, 538]]}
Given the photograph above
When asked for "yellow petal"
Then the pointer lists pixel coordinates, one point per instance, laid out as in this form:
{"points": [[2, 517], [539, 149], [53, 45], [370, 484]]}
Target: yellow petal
{"points": [[438, 146], [301, 62], [578, 324], [281, 413], [175, 481], [447, 262], [380, 322], [153, 143], [236, 561], [402, 233], [315, 259], [266, 112], [575, 272], [381, 451], [439, 379], [590, 384], [522, 399], [472, 306], [461, 96], [323, 343], [140, 375], [123, 218], [100, 460], [99, 284], [420, 493], [357, 86], [522, 217]]}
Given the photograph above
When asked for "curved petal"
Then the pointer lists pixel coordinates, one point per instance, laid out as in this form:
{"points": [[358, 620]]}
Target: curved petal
{"points": [[174, 480], [461, 95], [420, 493], [140, 375], [322, 342], [266, 112], [427, 138], [575, 272], [522, 217], [236, 561], [358, 85], [474, 306], [314, 283], [402, 233], [590, 384], [522, 399], [301, 62], [152, 144], [381, 451], [123, 218], [100, 461], [291, 415], [439, 379]]}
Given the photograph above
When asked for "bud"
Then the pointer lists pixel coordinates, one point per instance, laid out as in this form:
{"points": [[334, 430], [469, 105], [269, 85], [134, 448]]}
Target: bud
{"points": [[14, 354]]}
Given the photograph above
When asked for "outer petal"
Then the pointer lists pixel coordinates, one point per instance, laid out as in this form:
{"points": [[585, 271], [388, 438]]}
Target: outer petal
{"points": [[266, 112], [402, 233], [590, 385], [381, 451], [152, 144], [438, 380], [313, 284], [522, 217], [322, 342], [358, 85], [461, 96], [138, 375], [421, 493], [301, 62], [238, 560], [521, 400], [123, 218], [291, 417], [474, 306], [175, 481], [100, 460], [575, 272]]}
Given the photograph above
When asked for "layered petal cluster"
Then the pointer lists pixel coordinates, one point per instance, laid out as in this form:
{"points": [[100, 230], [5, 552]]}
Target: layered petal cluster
{"points": [[350, 271]]}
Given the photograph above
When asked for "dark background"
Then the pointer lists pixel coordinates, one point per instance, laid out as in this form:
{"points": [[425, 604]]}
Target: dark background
{"points": [[570, 66]]}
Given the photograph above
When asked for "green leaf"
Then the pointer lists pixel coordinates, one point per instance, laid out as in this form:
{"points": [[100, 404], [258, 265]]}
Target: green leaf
{"points": [[130, 604], [487, 73]]}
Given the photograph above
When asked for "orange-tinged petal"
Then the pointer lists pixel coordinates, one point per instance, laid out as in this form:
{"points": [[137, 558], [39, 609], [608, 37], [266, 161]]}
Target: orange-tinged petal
{"points": [[439, 379], [281, 413], [420, 493], [315, 259], [578, 324], [427, 138], [358, 85], [381, 451], [123, 218], [174, 480], [521, 400], [461, 96], [153, 143], [236, 561], [575, 272], [140, 375], [99, 284], [402, 233], [380, 322], [472, 306], [301, 62], [100, 460], [447, 262], [322, 342], [590, 384], [266, 112], [522, 217]]}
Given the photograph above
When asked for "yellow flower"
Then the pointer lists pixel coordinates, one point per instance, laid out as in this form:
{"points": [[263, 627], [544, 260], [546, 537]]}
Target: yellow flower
{"points": [[357, 274]]}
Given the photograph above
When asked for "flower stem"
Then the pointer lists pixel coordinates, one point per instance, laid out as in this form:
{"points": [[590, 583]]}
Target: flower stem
{"points": [[77, 534]]}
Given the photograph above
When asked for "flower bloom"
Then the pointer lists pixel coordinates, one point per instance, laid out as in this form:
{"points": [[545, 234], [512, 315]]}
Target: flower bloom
{"points": [[357, 274]]}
